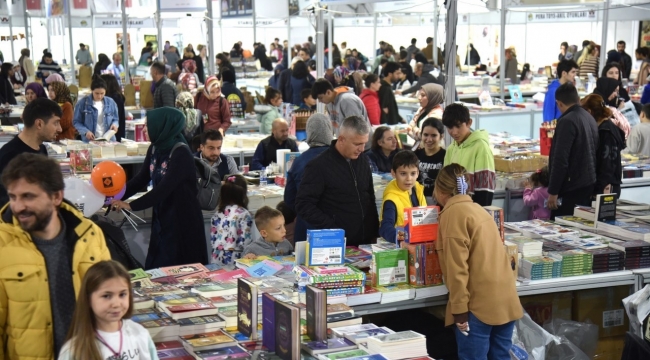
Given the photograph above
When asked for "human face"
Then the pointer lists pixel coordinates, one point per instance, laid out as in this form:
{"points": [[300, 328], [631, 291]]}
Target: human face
{"points": [[48, 60], [304, 56], [276, 101], [310, 101], [406, 176], [285, 43], [275, 230], [327, 97], [375, 86], [422, 96], [51, 93], [98, 94], [117, 59], [460, 132], [352, 145], [562, 49], [204, 52], [47, 131], [396, 75], [440, 197], [388, 142], [32, 205], [431, 138], [613, 73], [110, 302], [215, 92], [281, 132], [211, 150], [570, 76], [30, 96]]}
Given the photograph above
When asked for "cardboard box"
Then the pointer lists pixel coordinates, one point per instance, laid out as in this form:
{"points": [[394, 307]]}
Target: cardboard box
{"points": [[604, 308], [421, 224], [389, 267], [520, 163], [610, 348], [545, 307]]}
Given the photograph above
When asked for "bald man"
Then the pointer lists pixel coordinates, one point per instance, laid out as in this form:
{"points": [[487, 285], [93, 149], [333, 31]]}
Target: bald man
{"points": [[266, 151], [423, 78]]}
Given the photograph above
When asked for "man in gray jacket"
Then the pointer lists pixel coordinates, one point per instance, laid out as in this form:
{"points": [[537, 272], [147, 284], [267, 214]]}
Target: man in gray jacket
{"points": [[341, 102], [83, 55], [166, 91]]}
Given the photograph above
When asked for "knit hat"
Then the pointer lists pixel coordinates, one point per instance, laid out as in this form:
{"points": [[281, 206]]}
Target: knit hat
{"points": [[319, 130], [210, 82]]}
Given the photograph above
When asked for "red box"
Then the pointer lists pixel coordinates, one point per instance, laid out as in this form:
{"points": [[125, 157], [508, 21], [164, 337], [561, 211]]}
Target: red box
{"points": [[545, 142], [421, 224]]}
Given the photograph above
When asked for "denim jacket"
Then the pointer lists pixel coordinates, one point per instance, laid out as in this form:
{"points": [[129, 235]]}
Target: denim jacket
{"points": [[85, 116]]}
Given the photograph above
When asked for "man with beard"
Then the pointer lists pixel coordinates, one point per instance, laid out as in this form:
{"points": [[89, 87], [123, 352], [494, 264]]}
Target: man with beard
{"points": [[211, 142], [266, 151], [42, 120], [46, 247]]}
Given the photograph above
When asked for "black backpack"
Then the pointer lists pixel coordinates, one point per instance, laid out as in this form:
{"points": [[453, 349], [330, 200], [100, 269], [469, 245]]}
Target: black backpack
{"points": [[116, 242], [208, 182]]}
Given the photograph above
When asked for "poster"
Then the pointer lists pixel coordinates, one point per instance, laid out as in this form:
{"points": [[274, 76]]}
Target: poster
{"points": [[294, 8], [232, 8], [55, 7], [118, 36], [644, 34], [153, 39]]}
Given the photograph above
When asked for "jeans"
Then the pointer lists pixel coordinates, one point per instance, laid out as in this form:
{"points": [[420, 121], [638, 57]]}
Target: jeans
{"points": [[484, 341]]}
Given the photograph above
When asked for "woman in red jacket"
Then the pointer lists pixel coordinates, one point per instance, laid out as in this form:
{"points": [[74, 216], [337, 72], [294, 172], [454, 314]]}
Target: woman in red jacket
{"points": [[370, 98], [214, 107]]}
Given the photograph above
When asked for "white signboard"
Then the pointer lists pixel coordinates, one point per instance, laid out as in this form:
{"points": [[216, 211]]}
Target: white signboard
{"points": [[183, 5], [362, 22], [117, 23], [584, 15]]}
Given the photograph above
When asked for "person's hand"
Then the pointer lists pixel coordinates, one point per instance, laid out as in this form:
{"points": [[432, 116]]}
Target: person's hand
{"points": [[608, 189], [221, 131], [621, 105], [250, 256], [119, 204], [551, 203], [463, 326], [398, 92], [338, 78], [114, 128], [90, 135], [527, 184]]}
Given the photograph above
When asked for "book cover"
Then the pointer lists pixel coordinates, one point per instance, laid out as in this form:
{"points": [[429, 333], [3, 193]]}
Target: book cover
{"points": [[396, 337], [226, 300], [230, 352], [325, 247], [316, 301], [155, 273], [247, 308], [138, 274], [515, 94], [287, 331], [289, 158], [184, 269], [361, 336], [216, 289], [166, 280], [264, 268], [168, 345], [230, 275], [606, 207], [498, 216], [328, 346], [174, 354], [268, 322], [212, 338], [389, 267], [81, 161], [191, 307], [142, 283], [345, 354], [421, 223], [200, 320]]}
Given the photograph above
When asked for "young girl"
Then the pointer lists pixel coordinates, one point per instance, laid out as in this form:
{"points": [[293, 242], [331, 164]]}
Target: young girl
{"points": [[231, 224], [100, 326], [536, 194]]}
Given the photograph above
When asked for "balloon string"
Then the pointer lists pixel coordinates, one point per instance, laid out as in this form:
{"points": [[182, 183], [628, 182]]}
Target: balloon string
{"points": [[135, 226], [135, 216]]}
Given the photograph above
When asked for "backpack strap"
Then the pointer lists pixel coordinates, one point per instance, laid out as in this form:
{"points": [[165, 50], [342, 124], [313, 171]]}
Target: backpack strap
{"points": [[178, 144]]}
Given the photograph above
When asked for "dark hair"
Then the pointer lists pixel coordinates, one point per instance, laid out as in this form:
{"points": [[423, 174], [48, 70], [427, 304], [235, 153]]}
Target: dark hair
{"points": [[621, 42], [646, 110], [263, 215], [310, 39], [406, 158], [586, 43], [454, 115], [567, 94], [228, 76], [6, 68], [370, 79], [383, 61], [403, 54], [642, 51], [390, 68], [311, 64], [35, 169], [159, 67], [388, 49], [524, 70], [40, 108], [413, 41], [300, 70], [223, 58], [47, 55], [429, 39], [98, 84], [540, 177], [211, 134], [196, 143], [566, 66], [305, 93], [612, 65], [434, 123], [565, 44], [112, 86], [287, 212], [378, 135], [320, 87], [271, 93], [305, 50], [337, 62], [233, 193]]}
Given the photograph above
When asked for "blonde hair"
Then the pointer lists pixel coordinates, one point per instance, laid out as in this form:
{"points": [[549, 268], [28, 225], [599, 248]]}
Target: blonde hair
{"points": [[447, 180], [83, 328]]}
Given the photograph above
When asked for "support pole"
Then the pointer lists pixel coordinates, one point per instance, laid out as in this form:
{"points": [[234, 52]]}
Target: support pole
{"points": [[92, 25], [27, 28], [254, 23], [603, 45], [161, 43], [374, 37], [435, 33], [289, 37], [502, 51], [125, 42], [210, 24], [330, 35], [320, 51], [11, 36], [450, 58], [73, 71]]}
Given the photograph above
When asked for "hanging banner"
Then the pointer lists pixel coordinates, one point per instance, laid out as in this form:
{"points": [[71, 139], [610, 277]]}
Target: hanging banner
{"points": [[644, 34], [569, 16], [182, 5], [117, 23], [33, 4], [363, 22], [233, 8], [55, 7]]}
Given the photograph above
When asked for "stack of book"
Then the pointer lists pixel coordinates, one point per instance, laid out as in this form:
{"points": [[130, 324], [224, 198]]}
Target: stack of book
{"points": [[637, 253], [172, 350], [424, 266], [400, 345], [575, 262], [527, 247], [606, 260], [540, 267], [351, 281]]}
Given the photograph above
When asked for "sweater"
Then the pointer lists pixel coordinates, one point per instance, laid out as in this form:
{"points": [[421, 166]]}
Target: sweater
{"points": [[639, 140], [589, 66], [394, 202], [261, 247], [536, 199], [608, 156], [265, 116], [67, 127], [551, 111], [475, 155], [380, 163], [344, 105], [371, 102], [338, 193], [475, 268], [572, 161], [217, 111]]}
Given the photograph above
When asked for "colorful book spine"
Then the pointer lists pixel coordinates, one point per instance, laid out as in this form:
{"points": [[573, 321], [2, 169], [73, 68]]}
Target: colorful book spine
{"points": [[268, 322]]}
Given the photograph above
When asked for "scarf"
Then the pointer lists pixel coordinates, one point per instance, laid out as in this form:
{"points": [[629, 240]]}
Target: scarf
{"points": [[435, 97], [54, 77], [165, 127], [61, 91], [189, 68], [18, 76], [319, 130], [37, 89], [185, 103], [605, 87], [210, 83]]}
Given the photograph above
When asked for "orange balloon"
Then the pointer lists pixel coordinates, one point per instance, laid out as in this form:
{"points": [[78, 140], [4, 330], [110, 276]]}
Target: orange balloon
{"points": [[108, 177]]}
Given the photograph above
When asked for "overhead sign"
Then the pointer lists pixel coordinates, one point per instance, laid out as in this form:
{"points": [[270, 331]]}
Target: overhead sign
{"points": [[363, 22], [584, 15], [117, 23], [182, 5]]}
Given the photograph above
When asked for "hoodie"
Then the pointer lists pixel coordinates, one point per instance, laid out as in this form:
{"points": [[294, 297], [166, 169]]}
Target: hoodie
{"points": [[344, 105], [265, 115], [608, 156], [475, 155], [551, 112]]}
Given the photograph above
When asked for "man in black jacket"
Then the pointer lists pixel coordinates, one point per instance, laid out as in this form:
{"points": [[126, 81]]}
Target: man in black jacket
{"points": [[336, 191], [266, 151], [423, 78], [572, 163], [626, 60]]}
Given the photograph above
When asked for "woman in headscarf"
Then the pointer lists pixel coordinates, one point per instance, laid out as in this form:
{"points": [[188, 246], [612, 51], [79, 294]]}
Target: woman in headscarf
{"points": [[60, 94], [54, 77], [101, 65], [27, 66], [177, 231], [193, 121], [18, 79], [6, 89], [188, 78], [319, 138], [613, 71], [431, 97], [33, 91], [274, 80], [213, 106], [608, 89]]}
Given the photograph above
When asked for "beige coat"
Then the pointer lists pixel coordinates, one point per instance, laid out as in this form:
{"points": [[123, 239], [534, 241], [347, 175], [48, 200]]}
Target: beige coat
{"points": [[28, 65], [475, 265]]}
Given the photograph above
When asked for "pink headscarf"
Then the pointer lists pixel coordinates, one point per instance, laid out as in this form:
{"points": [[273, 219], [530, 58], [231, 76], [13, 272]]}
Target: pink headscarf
{"points": [[54, 77], [210, 82]]}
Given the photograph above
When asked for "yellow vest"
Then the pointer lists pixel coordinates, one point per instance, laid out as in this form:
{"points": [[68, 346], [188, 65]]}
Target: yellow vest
{"points": [[401, 199]]}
